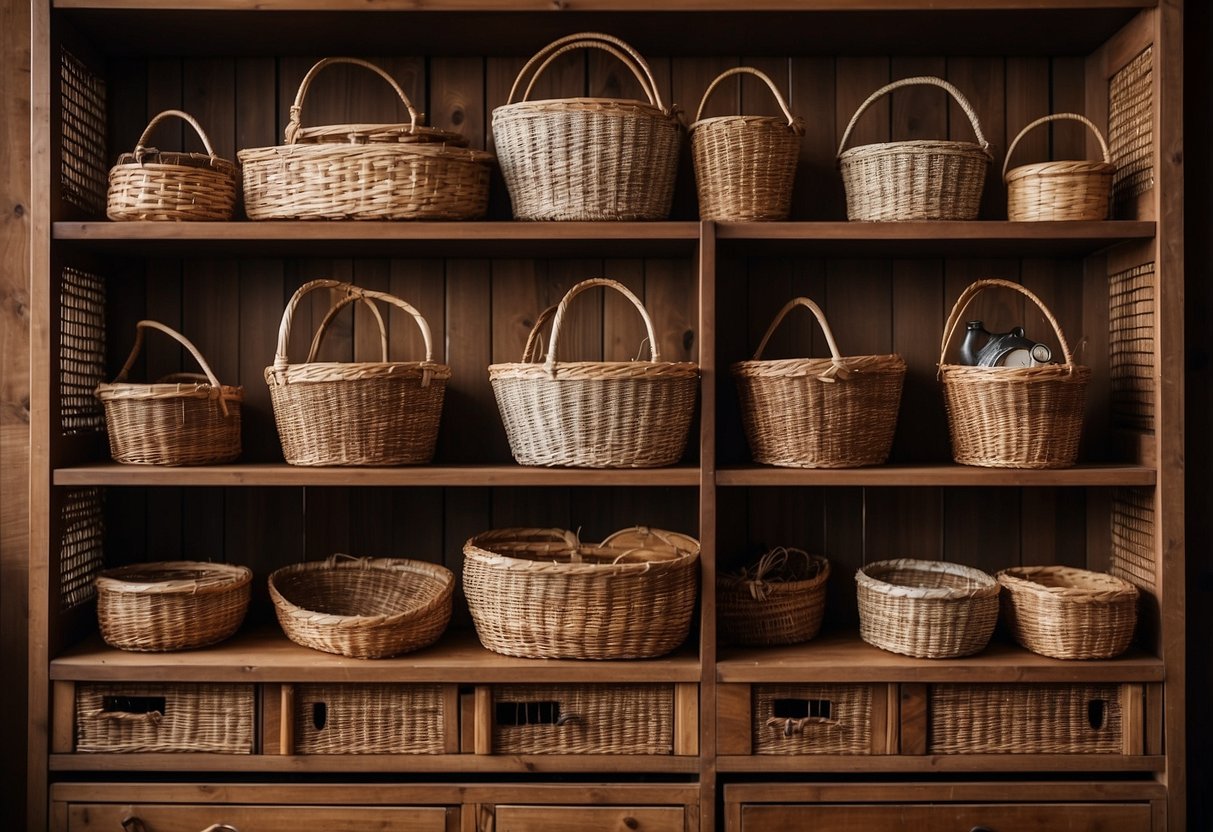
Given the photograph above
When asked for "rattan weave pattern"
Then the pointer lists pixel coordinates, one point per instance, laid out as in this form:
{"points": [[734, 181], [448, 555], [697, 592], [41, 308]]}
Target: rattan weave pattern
{"points": [[1131, 130], [369, 719], [81, 545], [584, 719], [81, 350], [1068, 613], [82, 136], [1065, 190], [846, 730], [1131, 346], [212, 717], [1133, 537]]}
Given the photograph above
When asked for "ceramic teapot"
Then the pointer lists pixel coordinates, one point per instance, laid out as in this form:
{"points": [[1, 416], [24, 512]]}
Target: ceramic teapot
{"points": [[1001, 349]]}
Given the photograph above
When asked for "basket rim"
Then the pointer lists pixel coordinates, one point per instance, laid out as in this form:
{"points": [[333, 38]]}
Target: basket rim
{"points": [[382, 566], [797, 367], [588, 102], [114, 391], [219, 577], [1060, 167], [1112, 589], [748, 121], [628, 370], [433, 150], [939, 146], [1075, 374], [752, 586], [316, 372], [561, 540], [865, 579], [170, 160]]}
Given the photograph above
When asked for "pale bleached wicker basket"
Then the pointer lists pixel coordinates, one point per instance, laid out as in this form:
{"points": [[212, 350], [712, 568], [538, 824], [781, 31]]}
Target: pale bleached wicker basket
{"points": [[781, 599], [1068, 190], [1068, 613]]}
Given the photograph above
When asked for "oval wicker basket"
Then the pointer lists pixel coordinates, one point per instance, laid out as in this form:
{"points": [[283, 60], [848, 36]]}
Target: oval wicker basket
{"points": [[356, 413], [543, 594], [1068, 613], [587, 158], [595, 414], [780, 599], [819, 412], [914, 180], [183, 419], [745, 165], [365, 608], [1013, 417], [149, 184], [926, 608], [1073, 190], [171, 605]]}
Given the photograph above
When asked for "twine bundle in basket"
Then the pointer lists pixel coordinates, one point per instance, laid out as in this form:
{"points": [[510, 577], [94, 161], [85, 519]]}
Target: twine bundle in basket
{"points": [[927, 609], [365, 608], [587, 158], [1068, 613], [831, 412], [365, 171], [182, 419], [914, 180], [780, 599], [149, 184], [172, 605], [544, 594], [1013, 417], [356, 413], [745, 165], [595, 414], [1069, 190]]}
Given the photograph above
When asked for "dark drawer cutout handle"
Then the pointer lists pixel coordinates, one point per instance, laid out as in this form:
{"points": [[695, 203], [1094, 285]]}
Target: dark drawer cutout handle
{"points": [[133, 704], [520, 714], [320, 715], [1097, 713], [801, 708]]}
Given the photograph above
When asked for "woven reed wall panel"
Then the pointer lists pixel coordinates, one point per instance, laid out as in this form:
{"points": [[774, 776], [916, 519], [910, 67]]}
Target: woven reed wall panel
{"points": [[81, 546], [1131, 344], [81, 351], [1131, 128], [83, 173], [369, 719], [1133, 549], [847, 729]]}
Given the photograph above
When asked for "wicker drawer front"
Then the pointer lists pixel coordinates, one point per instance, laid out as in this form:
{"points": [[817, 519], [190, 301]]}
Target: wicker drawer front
{"points": [[589, 819], [370, 719], [812, 719], [109, 817], [136, 718], [994, 817], [582, 719]]}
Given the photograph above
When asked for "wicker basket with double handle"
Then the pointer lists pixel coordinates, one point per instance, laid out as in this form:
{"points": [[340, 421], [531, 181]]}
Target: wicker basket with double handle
{"points": [[1067, 190], [781, 599], [356, 413], [920, 179], [1068, 613], [1013, 417], [587, 158]]}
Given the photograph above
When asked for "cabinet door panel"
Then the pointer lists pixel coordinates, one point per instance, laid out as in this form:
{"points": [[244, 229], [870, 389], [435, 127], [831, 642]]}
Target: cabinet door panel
{"points": [[589, 818], [108, 817], [1026, 817]]}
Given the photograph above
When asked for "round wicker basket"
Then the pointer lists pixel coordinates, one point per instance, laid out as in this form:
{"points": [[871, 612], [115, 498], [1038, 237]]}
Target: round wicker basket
{"points": [[1068, 613], [780, 599], [1073, 190]]}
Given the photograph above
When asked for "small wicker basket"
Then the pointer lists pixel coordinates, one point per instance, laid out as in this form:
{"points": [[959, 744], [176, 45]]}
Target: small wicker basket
{"points": [[365, 608], [173, 605], [926, 609], [1068, 613], [149, 184], [914, 180], [779, 600], [1074, 190], [183, 419], [745, 165]]}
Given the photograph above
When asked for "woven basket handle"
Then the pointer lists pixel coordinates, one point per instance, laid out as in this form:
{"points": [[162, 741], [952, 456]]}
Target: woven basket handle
{"points": [[141, 147], [976, 288], [183, 341], [294, 126], [919, 80], [1103, 145], [530, 352], [558, 320], [838, 368], [628, 56], [322, 330], [793, 122], [152, 717]]}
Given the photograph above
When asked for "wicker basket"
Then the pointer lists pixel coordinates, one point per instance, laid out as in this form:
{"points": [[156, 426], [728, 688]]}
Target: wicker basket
{"points": [[174, 605], [364, 171], [1075, 190], [356, 413], [819, 412], [343, 718], [588, 158], [914, 180], [595, 414], [541, 593], [183, 419], [365, 608], [154, 718], [793, 719], [1068, 613], [583, 719], [779, 600], [925, 608], [152, 185], [745, 165], [1013, 417]]}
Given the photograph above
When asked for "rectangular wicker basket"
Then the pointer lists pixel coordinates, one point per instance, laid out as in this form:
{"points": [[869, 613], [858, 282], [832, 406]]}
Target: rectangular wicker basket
{"points": [[812, 719], [149, 718], [583, 719], [370, 719]]}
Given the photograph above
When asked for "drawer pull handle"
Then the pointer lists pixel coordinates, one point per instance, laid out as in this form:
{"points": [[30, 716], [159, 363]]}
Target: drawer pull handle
{"points": [[791, 727], [565, 719], [152, 717], [631, 822], [132, 823]]}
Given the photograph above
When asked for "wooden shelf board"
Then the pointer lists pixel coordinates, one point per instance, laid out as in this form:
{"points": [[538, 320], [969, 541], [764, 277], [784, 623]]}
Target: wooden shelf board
{"points": [[1068, 763], [369, 763], [943, 474]]}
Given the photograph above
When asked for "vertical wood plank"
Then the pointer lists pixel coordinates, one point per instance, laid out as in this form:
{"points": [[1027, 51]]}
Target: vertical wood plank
{"points": [[482, 726], [817, 193], [734, 734], [457, 97], [855, 80], [1132, 704], [919, 111], [450, 719], [913, 718], [903, 523], [271, 719], [879, 718], [466, 512], [286, 720], [467, 722], [1028, 98], [686, 719], [1154, 719], [983, 82], [624, 337], [1069, 139], [918, 319], [471, 424], [63, 717]]}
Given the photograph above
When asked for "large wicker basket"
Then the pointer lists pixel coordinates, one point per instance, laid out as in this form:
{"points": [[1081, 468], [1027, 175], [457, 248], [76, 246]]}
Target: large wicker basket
{"points": [[183, 419], [831, 412], [1013, 417], [1068, 613], [543, 594], [595, 414], [1070, 190], [587, 158], [173, 605], [365, 608], [364, 171], [914, 180], [927, 609], [781, 599], [745, 165], [356, 413]]}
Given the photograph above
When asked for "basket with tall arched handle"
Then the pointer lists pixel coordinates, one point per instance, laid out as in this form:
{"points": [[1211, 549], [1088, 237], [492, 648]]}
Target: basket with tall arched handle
{"points": [[1065, 190]]}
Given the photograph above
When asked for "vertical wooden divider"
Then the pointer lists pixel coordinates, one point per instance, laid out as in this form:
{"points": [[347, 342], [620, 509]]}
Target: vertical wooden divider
{"points": [[734, 731], [914, 719], [706, 262], [63, 717]]}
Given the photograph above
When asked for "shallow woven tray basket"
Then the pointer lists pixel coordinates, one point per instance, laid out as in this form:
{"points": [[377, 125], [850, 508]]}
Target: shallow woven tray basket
{"points": [[365, 608], [149, 184], [172, 605], [365, 171], [745, 165], [926, 608], [914, 180], [1073, 190], [361, 412], [183, 419], [819, 412], [595, 414], [1013, 417], [1068, 613], [587, 158], [543, 594], [779, 600]]}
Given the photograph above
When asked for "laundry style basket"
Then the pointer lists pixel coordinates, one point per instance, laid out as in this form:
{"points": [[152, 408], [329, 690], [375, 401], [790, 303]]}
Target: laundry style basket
{"points": [[1068, 190]]}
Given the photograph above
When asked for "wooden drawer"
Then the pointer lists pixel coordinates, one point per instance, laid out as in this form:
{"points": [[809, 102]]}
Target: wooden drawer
{"points": [[375, 719], [150, 718], [152, 817], [992, 817], [589, 819], [798, 719]]}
